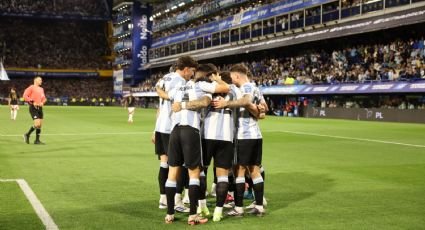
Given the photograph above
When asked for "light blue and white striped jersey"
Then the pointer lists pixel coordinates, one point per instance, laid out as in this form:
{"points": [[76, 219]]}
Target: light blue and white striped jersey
{"points": [[248, 125], [189, 92], [170, 83], [218, 123]]}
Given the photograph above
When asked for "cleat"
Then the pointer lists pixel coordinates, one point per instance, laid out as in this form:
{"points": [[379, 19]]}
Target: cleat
{"points": [[217, 216], [257, 212], [38, 143], [252, 205], [234, 213], [162, 206], [204, 212], [26, 138], [169, 219], [196, 219], [181, 209], [229, 205]]}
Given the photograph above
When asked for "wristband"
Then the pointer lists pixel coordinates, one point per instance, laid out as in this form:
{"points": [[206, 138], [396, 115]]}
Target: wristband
{"points": [[183, 105]]}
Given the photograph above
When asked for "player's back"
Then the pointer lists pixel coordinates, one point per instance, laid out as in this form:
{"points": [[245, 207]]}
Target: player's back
{"points": [[170, 84]]}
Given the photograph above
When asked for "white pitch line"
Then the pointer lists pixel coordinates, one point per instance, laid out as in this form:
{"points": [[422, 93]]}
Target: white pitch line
{"points": [[35, 202], [349, 138], [78, 134], [268, 131]]}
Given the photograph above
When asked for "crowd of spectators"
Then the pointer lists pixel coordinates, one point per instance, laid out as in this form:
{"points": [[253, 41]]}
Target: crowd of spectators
{"points": [[84, 8], [68, 88], [398, 60], [393, 61], [203, 18], [54, 44]]}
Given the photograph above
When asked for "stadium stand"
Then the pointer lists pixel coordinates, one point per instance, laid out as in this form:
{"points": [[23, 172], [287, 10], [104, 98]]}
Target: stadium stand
{"points": [[64, 89], [398, 60], [54, 7], [54, 44]]}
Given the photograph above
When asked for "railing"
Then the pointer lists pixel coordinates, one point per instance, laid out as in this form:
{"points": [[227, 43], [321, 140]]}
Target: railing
{"points": [[282, 23]]}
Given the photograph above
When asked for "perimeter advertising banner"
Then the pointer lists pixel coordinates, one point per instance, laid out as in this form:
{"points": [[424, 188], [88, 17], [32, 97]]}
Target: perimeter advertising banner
{"points": [[417, 86]]}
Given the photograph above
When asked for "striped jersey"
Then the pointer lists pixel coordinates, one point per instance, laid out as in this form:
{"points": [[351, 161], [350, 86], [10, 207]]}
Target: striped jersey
{"points": [[218, 123], [189, 92], [247, 125], [170, 83]]}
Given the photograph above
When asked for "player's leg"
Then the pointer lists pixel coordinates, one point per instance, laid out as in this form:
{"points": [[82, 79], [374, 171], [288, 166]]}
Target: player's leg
{"points": [[223, 162], [191, 147], [222, 188], [257, 179], [182, 180], [214, 184], [162, 178], [161, 147], [15, 112], [38, 123], [175, 160], [34, 116], [130, 114]]}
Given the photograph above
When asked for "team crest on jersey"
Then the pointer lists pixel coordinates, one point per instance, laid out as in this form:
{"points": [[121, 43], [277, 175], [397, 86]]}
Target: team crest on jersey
{"points": [[247, 89]]}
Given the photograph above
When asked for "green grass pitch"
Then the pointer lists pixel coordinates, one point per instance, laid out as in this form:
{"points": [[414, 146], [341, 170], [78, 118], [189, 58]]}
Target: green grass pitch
{"points": [[101, 173]]}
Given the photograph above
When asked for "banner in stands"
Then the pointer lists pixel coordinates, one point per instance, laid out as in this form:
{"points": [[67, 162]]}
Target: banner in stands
{"points": [[366, 88], [263, 12], [141, 41], [118, 82], [195, 12]]}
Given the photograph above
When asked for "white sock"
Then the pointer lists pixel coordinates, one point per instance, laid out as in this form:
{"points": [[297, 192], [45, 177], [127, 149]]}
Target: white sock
{"points": [[218, 210], [202, 203], [186, 193], [232, 194], [163, 198], [11, 114], [130, 117], [178, 199], [15, 114]]}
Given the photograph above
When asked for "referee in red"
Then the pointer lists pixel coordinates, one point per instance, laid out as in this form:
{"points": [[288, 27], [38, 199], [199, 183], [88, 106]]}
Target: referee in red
{"points": [[34, 96]]}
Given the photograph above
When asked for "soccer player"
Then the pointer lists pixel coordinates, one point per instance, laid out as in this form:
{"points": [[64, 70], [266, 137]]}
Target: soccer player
{"points": [[129, 104], [34, 96], [13, 103], [248, 140], [185, 140], [217, 143], [166, 88]]}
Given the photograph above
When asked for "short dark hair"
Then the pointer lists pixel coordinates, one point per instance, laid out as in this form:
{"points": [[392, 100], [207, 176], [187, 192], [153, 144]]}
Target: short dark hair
{"points": [[239, 68], [225, 76], [186, 61], [207, 68]]}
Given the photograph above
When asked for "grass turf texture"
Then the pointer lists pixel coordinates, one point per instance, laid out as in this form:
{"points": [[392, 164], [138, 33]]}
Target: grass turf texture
{"points": [[107, 181]]}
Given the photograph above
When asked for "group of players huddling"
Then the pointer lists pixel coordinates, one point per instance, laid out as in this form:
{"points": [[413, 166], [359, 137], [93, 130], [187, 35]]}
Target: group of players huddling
{"points": [[204, 114]]}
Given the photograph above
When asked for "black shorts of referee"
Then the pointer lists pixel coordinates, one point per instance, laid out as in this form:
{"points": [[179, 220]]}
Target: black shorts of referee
{"points": [[36, 112], [161, 143], [185, 147], [221, 151], [249, 152]]}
